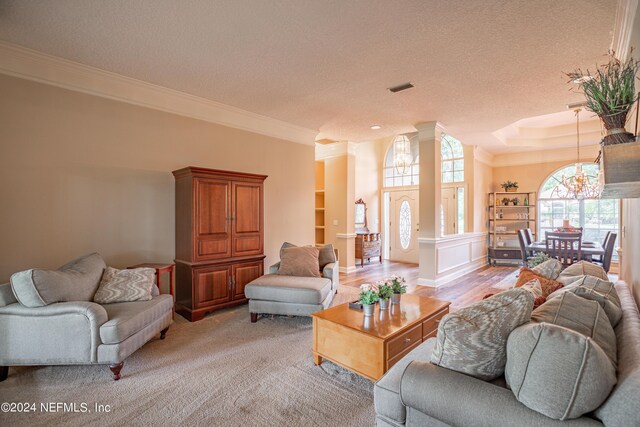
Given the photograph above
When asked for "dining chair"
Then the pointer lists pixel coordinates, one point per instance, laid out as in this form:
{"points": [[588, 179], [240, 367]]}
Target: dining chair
{"points": [[599, 258], [528, 235], [565, 247], [522, 239], [609, 246]]}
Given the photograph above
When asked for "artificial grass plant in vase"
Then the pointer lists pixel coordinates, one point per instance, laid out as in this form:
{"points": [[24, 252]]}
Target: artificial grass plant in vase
{"points": [[610, 93]]}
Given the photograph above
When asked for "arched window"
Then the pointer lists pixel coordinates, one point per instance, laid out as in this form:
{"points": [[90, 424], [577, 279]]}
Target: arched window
{"points": [[595, 216], [452, 159], [394, 176]]}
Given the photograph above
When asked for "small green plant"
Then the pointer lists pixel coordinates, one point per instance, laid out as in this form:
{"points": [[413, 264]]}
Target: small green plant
{"points": [[385, 290], [397, 284], [538, 259], [507, 185], [368, 294], [515, 201], [505, 201]]}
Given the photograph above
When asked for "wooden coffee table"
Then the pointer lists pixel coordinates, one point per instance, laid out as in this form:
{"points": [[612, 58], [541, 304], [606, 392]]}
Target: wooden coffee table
{"points": [[370, 346]]}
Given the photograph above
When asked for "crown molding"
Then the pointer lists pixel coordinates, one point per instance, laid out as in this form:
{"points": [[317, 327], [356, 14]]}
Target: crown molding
{"points": [[29, 64], [623, 28], [482, 155], [337, 149], [587, 153]]}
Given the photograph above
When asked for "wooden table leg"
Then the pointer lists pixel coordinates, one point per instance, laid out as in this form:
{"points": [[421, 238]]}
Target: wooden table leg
{"points": [[317, 360]]}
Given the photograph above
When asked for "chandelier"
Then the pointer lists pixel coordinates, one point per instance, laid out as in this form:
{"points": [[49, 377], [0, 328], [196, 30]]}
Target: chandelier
{"points": [[580, 185], [402, 159]]}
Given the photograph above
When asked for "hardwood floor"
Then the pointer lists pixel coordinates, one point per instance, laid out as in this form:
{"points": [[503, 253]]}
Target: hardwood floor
{"points": [[461, 292]]}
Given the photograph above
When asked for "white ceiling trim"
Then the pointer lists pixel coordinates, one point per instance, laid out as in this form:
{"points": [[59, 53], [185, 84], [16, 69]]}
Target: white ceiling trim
{"points": [[32, 65], [338, 149]]}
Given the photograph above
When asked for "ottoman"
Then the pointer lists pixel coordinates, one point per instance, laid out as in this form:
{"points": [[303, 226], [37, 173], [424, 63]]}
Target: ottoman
{"points": [[288, 295]]}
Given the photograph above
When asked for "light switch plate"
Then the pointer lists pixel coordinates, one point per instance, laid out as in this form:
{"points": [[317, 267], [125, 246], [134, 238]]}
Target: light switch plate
{"points": [[335, 222]]}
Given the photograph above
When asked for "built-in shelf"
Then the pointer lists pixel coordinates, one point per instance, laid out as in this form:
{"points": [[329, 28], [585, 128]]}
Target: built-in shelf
{"points": [[319, 204], [509, 253], [320, 209], [319, 191], [320, 227]]}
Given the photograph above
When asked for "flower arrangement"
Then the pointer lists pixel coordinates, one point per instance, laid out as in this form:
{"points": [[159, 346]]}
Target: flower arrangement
{"points": [[368, 294], [385, 290], [398, 284]]}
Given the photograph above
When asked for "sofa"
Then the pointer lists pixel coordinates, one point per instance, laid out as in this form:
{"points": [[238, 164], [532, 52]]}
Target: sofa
{"points": [[294, 295], [77, 331], [415, 392]]}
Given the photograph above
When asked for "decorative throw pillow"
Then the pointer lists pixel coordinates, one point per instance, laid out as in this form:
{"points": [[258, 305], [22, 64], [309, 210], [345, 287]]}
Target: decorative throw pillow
{"points": [[299, 261], [599, 290], [535, 288], [550, 269], [556, 371], [581, 315], [133, 284], [548, 285], [74, 281], [582, 268], [473, 340], [326, 256]]}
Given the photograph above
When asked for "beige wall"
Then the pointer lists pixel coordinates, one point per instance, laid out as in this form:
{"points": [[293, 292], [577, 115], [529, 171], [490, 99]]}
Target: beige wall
{"points": [[482, 185], [369, 164], [81, 173]]}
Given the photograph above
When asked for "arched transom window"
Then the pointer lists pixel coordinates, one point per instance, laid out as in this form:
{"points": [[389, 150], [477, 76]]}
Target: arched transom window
{"points": [[452, 159], [595, 216], [395, 176]]}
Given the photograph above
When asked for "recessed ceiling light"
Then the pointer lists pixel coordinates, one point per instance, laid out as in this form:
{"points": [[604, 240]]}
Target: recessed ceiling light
{"points": [[376, 127]]}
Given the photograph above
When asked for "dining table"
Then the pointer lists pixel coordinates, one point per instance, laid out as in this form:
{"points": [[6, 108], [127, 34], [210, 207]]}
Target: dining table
{"points": [[588, 250]]}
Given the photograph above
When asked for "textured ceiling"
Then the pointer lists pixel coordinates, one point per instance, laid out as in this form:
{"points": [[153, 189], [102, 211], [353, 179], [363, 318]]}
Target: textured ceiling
{"points": [[477, 66]]}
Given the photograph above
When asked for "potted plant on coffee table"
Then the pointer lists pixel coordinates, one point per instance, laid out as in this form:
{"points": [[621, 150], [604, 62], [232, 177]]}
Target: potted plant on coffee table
{"points": [[399, 287], [368, 298], [385, 292]]}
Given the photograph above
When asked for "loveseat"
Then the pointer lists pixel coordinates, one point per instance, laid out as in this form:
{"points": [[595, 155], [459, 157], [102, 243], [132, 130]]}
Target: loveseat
{"points": [[35, 331], [415, 392]]}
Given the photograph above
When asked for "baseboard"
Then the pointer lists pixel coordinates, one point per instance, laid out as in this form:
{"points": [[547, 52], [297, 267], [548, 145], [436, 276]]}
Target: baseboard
{"points": [[348, 270], [439, 282]]}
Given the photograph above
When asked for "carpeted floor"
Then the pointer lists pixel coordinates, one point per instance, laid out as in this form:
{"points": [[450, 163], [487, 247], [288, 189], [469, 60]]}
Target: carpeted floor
{"points": [[222, 370]]}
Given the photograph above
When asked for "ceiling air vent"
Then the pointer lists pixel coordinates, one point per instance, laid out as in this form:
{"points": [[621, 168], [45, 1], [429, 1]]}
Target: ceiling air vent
{"points": [[401, 87]]}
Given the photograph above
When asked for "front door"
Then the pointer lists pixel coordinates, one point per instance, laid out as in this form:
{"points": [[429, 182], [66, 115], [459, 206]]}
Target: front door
{"points": [[403, 226]]}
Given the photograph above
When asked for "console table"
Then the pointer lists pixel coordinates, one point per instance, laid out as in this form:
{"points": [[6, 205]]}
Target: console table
{"points": [[368, 245]]}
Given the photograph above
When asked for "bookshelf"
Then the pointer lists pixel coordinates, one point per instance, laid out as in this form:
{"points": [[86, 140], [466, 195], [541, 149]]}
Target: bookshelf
{"points": [[504, 222]]}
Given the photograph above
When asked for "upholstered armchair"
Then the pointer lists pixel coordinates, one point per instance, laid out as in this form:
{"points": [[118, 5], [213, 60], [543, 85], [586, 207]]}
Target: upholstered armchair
{"points": [[77, 331]]}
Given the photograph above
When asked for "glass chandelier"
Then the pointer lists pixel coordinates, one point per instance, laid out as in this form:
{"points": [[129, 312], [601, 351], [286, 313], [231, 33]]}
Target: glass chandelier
{"points": [[581, 185], [402, 154]]}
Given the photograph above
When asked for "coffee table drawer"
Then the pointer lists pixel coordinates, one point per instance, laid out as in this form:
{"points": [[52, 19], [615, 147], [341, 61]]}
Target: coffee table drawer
{"points": [[430, 326], [403, 341]]}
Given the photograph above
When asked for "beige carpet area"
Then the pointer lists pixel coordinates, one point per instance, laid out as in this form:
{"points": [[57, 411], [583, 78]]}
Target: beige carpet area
{"points": [[222, 371]]}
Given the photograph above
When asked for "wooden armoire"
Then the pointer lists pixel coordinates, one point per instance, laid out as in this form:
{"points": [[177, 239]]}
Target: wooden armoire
{"points": [[219, 238]]}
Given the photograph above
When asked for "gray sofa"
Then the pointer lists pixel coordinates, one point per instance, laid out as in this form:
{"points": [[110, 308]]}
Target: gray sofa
{"points": [[78, 332], [415, 392], [291, 295]]}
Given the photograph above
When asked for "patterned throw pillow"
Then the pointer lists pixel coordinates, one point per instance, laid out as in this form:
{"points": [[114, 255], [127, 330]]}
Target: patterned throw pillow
{"points": [[473, 340], [550, 269], [125, 285], [548, 285], [535, 288]]}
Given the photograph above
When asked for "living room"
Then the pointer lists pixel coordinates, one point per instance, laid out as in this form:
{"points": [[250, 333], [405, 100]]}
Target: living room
{"points": [[118, 120]]}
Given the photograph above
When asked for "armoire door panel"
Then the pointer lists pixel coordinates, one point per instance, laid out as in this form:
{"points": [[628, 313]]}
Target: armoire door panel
{"points": [[213, 217], [244, 273], [212, 286], [247, 219]]}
